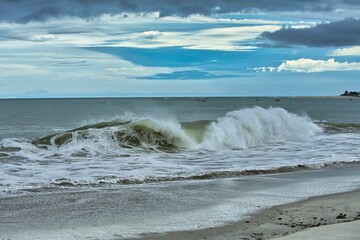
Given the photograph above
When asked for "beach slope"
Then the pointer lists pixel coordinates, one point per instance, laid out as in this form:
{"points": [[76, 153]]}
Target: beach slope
{"points": [[325, 217]]}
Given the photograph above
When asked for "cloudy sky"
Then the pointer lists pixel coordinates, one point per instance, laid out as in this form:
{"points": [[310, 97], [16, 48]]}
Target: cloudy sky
{"points": [[122, 48]]}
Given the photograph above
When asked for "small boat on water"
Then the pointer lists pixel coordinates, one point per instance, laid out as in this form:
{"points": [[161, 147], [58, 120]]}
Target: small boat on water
{"points": [[201, 100]]}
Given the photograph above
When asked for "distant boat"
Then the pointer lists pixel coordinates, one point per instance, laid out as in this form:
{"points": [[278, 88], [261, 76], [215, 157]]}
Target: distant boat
{"points": [[201, 100], [101, 101], [277, 99]]}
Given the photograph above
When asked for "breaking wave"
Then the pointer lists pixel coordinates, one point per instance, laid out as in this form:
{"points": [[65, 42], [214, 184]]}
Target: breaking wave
{"points": [[331, 127], [236, 130], [255, 126]]}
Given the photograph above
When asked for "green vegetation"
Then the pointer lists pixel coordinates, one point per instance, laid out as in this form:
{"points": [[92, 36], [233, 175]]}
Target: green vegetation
{"points": [[351, 94]]}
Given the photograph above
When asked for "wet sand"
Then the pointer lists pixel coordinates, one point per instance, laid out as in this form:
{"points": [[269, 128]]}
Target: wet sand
{"points": [[345, 231], [290, 218], [187, 209]]}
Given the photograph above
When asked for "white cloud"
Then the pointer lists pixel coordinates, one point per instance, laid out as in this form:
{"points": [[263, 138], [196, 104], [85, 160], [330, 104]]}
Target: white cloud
{"points": [[63, 70], [134, 71], [228, 38], [41, 37], [78, 72], [223, 39], [351, 51], [20, 69], [198, 18], [152, 34], [265, 69], [306, 65], [137, 30]]}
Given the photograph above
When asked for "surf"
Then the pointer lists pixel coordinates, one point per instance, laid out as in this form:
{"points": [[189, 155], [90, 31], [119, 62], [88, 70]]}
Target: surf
{"points": [[257, 126], [239, 129]]}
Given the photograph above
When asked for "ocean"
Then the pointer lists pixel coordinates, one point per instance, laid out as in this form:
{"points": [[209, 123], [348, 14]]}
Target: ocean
{"points": [[178, 145]]}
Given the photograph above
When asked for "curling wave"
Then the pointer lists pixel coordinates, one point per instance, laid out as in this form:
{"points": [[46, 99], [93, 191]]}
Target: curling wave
{"points": [[237, 129], [331, 127]]}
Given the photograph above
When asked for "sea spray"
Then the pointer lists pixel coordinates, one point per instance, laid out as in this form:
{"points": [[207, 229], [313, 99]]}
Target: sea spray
{"points": [[255, 126]]}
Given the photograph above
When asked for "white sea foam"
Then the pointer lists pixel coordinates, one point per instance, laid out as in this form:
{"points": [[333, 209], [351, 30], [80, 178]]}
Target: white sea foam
{"points": [[161, 149], [256, 126]]}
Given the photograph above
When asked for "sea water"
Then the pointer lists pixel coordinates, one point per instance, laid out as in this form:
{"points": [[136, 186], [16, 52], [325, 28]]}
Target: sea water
{"points": [[120, 168], [70, 143]]}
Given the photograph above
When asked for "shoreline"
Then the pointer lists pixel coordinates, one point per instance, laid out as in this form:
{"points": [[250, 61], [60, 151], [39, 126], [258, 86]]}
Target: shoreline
{"points": [[282, 220], [187, 209]]}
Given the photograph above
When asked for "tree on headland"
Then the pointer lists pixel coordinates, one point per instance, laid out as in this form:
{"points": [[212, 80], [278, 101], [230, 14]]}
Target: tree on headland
{"points": [[352, 94]]}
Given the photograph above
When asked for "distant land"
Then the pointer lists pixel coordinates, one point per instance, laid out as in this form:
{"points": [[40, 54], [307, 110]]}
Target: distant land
{"points": [[351, 94]]}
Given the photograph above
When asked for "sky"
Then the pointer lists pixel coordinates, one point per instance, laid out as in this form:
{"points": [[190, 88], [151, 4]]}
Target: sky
{"points": [[165, 48]]}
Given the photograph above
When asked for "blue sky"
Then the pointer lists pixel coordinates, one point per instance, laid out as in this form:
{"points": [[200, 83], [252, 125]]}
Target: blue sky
{"points": [[139, 48]]}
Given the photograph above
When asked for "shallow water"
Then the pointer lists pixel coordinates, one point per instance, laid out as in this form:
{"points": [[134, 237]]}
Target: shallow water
{"points": [[127, 211]]}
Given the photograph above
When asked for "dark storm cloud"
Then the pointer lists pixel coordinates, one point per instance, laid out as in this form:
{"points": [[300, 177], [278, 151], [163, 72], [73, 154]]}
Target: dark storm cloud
{"points": [[42, 14], [39, 10], [341, 33]]}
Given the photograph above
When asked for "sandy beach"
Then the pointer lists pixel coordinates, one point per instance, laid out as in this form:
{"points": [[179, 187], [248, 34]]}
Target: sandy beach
{"points": [[188, 209], [314, 214], [348, 231]]}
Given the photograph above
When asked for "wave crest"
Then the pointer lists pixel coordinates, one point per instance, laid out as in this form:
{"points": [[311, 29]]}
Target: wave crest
{"points": [[255, 126], [237, 129]]}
